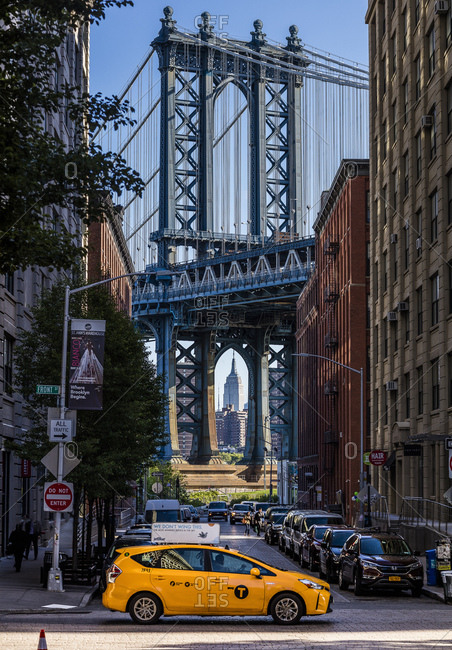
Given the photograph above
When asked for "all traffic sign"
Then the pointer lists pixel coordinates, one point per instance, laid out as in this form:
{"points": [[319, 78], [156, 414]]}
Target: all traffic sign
{"points": [[58, 497], [450, 463]]}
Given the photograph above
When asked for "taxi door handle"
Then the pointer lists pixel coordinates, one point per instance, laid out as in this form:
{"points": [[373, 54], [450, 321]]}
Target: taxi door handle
{"points": [[160, 577]]}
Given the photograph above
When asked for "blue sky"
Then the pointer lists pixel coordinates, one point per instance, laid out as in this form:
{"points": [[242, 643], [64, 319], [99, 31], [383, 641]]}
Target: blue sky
{"points": [[122, 40]]}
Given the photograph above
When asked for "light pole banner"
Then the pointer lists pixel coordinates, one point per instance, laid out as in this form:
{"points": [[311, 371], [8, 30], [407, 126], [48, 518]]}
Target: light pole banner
{"points": [[86, 372]]}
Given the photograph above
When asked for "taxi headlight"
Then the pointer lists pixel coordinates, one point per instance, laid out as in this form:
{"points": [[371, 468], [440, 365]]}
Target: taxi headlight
{"points": [[310, 584]]}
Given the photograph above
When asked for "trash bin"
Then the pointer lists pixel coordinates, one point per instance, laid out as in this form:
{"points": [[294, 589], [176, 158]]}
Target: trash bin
{"points": [[446, 577], [430, 556]]}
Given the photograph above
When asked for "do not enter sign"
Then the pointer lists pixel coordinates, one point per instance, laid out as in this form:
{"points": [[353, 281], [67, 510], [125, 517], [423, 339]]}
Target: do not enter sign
{"points": [[377, 457], [58, 497]]}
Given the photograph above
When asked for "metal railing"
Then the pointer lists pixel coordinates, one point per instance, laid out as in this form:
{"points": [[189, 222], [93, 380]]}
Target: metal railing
{"points": [[426, 512]]}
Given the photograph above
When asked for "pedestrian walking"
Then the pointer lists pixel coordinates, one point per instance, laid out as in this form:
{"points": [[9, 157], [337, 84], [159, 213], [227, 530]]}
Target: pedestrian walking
{"points": [[258, 521], [34, 535], [247, 522], [18, 540]]}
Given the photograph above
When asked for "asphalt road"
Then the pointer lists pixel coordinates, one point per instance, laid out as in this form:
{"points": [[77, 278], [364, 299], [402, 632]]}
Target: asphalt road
{"points": [[382, 621]]}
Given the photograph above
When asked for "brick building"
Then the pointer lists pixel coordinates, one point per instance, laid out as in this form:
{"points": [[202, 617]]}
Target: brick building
{"points": [[332, 322]]}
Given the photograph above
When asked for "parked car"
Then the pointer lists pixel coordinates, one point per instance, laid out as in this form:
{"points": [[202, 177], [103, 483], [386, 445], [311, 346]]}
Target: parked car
{"points": [[273, 527], [142, 531], [176, 579], [194, 512], [330, 550], [185, 514], [217, 510], [237, 512], [321, 517], [310, 546], [285, 537], [379, 560]]}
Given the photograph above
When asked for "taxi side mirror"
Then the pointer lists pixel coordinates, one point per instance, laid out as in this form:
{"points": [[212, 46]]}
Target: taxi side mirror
{"points": [[255, 572]]}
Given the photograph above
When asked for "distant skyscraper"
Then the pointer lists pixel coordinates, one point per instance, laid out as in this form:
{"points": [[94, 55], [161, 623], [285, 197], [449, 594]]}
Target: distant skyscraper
{"points": [[233, 389]]}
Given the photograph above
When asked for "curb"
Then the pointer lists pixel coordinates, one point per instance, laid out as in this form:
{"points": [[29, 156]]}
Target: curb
{"points": [[431, 593]]}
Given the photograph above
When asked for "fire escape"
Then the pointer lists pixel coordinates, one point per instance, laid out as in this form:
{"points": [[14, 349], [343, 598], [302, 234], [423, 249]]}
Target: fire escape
{"points": [[331, 296]]}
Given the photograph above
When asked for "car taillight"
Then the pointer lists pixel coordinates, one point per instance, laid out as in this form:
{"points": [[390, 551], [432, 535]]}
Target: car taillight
{"points": [[113, 572]]}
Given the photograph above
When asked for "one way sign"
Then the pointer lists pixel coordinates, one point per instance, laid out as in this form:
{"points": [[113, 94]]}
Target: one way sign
{"points": [[60, 430]]}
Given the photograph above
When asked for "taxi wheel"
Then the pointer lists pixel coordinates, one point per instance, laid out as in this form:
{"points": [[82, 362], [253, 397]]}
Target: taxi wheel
{"points": [[287, 609], [145, 608]]}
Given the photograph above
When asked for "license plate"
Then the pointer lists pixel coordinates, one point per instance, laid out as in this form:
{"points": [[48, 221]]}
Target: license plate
{"points": [[394, 578]]}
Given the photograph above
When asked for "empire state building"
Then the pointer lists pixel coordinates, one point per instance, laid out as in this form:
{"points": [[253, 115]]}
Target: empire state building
{"points": [[233, 389]]}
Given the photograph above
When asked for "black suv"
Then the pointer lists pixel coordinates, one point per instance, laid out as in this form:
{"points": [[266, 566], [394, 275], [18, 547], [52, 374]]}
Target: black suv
{"points": [[380, 560], [273, 527], [217, 510], [330, 549]]}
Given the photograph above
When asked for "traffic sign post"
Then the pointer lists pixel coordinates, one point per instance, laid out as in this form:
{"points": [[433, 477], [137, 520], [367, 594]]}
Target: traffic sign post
{"points": [[42, 389], [377, 457], [450, 463], [60, 430]]}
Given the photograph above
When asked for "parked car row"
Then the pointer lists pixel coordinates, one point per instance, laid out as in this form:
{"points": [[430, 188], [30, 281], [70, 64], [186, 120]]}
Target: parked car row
{"points": [[364, 558]]}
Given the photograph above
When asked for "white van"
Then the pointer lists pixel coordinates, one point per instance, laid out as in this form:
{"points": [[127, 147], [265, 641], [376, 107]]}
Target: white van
{"points": [[162, 510]]}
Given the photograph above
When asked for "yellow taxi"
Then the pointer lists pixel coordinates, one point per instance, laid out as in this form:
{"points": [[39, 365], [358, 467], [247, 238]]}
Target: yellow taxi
{"points": [[191, 579]]}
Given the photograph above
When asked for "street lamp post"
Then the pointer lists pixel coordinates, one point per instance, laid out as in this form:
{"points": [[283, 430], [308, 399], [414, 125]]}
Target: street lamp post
{"points": [[361, 375]]}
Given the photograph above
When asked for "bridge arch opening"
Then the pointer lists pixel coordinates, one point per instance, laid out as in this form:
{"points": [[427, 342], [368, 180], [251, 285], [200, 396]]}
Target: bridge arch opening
{"points": [[231, 171], [231, 400]]}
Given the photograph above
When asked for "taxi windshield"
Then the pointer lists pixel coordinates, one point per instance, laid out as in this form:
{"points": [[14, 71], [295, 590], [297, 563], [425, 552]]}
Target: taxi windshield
{"points": [[375, 546]]}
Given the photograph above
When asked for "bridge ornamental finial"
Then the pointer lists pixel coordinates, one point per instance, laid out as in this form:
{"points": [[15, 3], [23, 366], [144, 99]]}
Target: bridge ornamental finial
{"points": [[168, 24], [293, 42], [205, 28], [258, 37]]}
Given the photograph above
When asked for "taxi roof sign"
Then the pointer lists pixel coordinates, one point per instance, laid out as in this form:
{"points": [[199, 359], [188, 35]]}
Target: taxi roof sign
{"points": [[179, 533]]}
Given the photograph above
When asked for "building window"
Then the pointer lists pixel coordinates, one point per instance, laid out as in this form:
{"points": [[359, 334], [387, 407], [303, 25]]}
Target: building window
{"points": [[395, 185], [376, 406], [376, 281], [406, 256], [367, 206], [9, 282], [417, 77], [406, 390], [385, 415], [435, 384], [367, 259], [395, 255], [376, 344], [449, 27], [449, 379], [385, 271], [394, 121], [420, 390], [394, 53], [419, 233], [384, 143], [406, 171], [434, 216], [384, 85], [434, 285], [420, 323], [449, 198], [449, 268], [418, 145], [449, 108], [431, 52], [8, 351], [386, 341], [405, 101], [384, 210], [404, 31], [433, 134], [406, 321]]}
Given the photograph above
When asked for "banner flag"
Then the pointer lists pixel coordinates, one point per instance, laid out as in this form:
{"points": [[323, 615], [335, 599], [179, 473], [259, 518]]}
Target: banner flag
{"points": [[86, 372]]}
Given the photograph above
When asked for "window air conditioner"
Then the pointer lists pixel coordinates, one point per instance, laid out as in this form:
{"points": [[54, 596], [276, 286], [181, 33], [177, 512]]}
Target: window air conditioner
{"points": [[402, 306], [426, 121], [392, 315], [418, 243], [391, 385], [393, 238], [441, 6]]}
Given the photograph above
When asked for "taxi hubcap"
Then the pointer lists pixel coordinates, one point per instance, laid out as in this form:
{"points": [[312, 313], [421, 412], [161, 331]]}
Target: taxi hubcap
{"points": [[145, 608], [286, 609]]}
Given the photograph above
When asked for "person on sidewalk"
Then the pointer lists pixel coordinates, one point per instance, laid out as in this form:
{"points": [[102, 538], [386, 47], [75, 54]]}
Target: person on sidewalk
{"points": [[19, 541], [33, 538], [247, 522]]}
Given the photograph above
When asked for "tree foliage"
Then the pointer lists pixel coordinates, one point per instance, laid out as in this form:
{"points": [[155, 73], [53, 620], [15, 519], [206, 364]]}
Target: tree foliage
{"points": [[35, 184], [113, 443]]}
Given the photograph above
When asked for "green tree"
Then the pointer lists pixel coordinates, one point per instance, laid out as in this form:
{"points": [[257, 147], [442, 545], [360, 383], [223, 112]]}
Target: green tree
{"points": [[114, 443], [34, 163], [230, 458]]}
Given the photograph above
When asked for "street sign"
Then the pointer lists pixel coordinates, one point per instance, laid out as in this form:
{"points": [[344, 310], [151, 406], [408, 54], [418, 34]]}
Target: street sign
{"points": [[42, 389], [157, 488], [60, 430], [366, 460], [448, 443], [448, 495], [373, 493], [70, 461], [450, 463], [377, 457], [58, 497]]}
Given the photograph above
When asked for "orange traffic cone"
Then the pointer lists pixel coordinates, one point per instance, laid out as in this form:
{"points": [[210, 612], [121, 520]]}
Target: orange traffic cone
{"points": [[42, 645]]}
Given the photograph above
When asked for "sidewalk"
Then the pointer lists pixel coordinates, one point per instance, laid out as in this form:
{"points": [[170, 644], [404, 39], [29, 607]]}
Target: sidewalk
{"points": [[431, 591], [23, 591]]}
